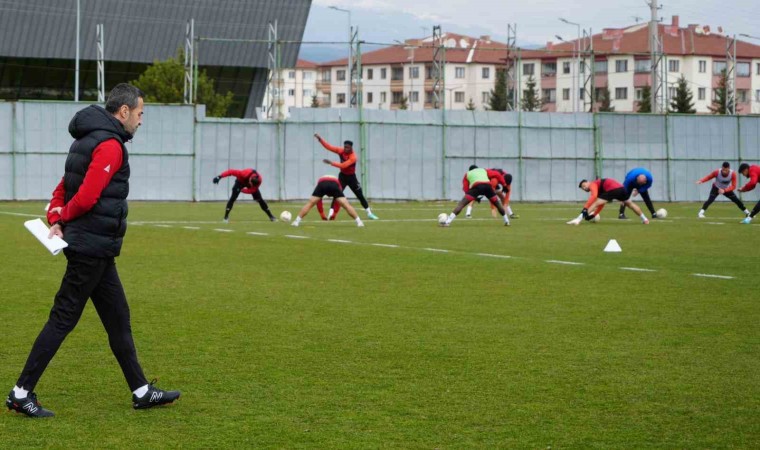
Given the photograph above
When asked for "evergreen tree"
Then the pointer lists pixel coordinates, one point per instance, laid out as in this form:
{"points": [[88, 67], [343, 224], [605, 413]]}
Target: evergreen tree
{"points": [[605, 101], [645, 104], [470, 105], [531, 101], [719, 102], [404, 103], [497, 101], [314, 101], [163, 82], [683, 101]]}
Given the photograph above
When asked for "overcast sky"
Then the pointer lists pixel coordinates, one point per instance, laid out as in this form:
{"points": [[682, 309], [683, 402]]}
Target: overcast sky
{"points": [[537, 20]]}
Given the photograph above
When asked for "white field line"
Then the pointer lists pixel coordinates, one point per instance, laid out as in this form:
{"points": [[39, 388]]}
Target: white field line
{"points": [[192, 228], [709, 275], [223, 230], [637, 269], [162, 226], [255, 233], [715, 223], [490, 255], [569, 263], [21, 215], [294, 236], [340, 241], [439, 250], [385, 245]]}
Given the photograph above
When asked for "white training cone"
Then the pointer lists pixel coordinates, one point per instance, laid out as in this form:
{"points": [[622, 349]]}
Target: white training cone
{"points": [[613, 247]]}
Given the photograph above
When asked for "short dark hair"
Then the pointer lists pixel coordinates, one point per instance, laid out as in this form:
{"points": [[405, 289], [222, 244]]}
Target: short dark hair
{"points": [[349, 143], [726, 165], [123, 94], [743, 167], [473, 167], [508, 178], [580, 185]]}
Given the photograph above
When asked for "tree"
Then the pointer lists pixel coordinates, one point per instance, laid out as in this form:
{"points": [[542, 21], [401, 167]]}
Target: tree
{"points": [[683, 101], [719, 101], [470, 105], [645, 104], [403, 105], [531, 101], [314, 101], [497, 101], [605, 101], [163, 82]]}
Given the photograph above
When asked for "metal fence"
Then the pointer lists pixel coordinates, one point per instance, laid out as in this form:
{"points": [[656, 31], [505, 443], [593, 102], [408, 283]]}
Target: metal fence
{"points": [[403, 155]]}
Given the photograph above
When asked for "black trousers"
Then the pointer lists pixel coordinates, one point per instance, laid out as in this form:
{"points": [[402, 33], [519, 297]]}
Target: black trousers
{"points": [[86, 277], [352, 182], [236, 188], [647, 201], [729, 195]]}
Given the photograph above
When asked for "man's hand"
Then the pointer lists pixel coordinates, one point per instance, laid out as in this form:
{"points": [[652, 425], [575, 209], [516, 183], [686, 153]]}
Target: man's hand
{"points": [[316, 135], [584, 213], [721, 191], [327, 161], [698, 182], [55, 230], [56, 210], [216, 179]]}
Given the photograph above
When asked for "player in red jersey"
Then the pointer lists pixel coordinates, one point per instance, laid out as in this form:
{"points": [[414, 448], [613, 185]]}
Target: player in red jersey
{"points": [[247, 181], [724, 184], [347, 177], [504, 191], [604, 190], [477, 183], [330, 186], [753, 173]]}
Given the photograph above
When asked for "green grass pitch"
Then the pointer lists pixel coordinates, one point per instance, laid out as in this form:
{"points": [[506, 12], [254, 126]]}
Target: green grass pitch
{"points": [[403, 334]]}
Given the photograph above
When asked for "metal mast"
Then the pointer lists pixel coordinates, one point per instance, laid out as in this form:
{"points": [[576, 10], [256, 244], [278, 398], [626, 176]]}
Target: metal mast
{"points": [[101, 63], [730, 75], [512, 86], [189, 53], [439, 64]]}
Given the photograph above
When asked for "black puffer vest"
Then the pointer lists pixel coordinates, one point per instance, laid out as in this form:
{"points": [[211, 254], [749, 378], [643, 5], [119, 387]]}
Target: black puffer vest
{"points": [[99, 232]]}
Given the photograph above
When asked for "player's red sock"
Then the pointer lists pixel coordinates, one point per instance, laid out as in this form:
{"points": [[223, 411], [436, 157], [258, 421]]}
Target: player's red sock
{"points": [[321, 209], [335, 211]]}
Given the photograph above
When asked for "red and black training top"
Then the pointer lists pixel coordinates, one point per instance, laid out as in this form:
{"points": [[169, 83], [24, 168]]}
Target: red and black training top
{"points": [[245, 178]]}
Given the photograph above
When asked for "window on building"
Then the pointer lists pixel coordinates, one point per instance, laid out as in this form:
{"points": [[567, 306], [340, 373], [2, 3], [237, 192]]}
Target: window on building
{"points": [[291, 92], [326, 75], [340, 99], [639, 93], [308, 93], [621, 65], [566, 94], [414, 73], [600, 66], [340, 75], [370, 74], [485, 97], [598, 93], [458, 97], [529, 69], [397, 73], [486, 73], [674, 65], [701, 93], [459, 72], [566, 67], [757, 95], [549, 69], [396, 97], [718, 67], [672, 92], [370, 97], [743, 69], [702, 66], [414, 96], [383, 74], [308, 75], [642, 65], [621, 93], [549, 95], [429, 99], [292, 74], [581, 93], [742, 95], [757, 69], [383, 97]]}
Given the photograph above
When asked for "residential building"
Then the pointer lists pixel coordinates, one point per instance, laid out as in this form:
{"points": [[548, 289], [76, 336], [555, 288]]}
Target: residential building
{"points": [[299, 86]]}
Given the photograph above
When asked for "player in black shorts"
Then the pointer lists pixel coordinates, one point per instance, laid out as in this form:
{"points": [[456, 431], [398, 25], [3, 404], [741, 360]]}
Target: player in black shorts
{"points": [[476, 183], [328, 186]]}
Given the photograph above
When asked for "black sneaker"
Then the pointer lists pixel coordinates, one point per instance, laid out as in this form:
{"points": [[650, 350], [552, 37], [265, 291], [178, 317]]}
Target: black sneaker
{"points": [[622, 217], [28, 406], [154, 397]]}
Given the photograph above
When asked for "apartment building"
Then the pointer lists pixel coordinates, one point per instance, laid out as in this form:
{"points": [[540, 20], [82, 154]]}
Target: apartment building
{"points": [[299, 86]]}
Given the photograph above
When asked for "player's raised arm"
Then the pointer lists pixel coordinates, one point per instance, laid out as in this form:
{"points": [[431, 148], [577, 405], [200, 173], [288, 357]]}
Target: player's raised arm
{"points": [[327, 145]]}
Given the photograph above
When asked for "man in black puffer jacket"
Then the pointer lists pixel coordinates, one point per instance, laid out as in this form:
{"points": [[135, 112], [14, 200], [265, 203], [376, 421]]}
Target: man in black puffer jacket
{"points": [[89, 210]]}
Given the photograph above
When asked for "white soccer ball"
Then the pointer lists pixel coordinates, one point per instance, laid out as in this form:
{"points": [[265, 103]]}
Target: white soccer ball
{"points": [[662, 213], [597, 218], [285, 216], [442, 217]]}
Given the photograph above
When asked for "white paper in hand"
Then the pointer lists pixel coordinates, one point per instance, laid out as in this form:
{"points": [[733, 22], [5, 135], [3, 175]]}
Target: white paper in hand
{"points": [[41, 231]]}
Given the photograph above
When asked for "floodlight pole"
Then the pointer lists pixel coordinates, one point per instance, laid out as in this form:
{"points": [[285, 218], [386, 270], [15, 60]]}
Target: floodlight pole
{"points": [[76, 64], [189, 61]]}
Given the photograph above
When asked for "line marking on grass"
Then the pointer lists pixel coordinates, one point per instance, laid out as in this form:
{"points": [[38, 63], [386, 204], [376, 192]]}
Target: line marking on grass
{"points": [[21, 215], [709, 275], [637, 269], [490, 255], [192, 228], [715, 223], [223, 230], [439, 250], [385, 245], [255, 233], [340, 241], [162, 226], [569, 263], [294, 236]]}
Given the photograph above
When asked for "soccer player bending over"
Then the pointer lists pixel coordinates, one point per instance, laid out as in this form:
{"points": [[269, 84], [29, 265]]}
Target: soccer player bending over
{"points": [[724, 184], [477, 182], [753, 173], [504, 191], [247, 181], [638, 180], [603, 190], [328, 186]]}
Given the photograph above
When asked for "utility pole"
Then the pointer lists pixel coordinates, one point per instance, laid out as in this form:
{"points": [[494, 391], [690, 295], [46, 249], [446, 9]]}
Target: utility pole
{"points": [[189, 50], [101, 63], [512, 67], [439, 65], [76, 64], [655, 55], [730, 75]]}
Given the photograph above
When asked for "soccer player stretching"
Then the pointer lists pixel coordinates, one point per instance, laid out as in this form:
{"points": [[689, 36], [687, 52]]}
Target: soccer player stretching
{"points": [[247, 181], [329, 186], [753, 173], [504, 191], [604, 190], [640, 180], [477, 182], [724, 184]]}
